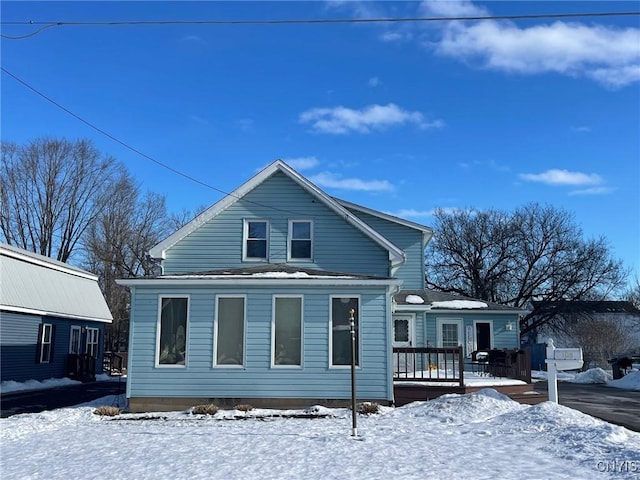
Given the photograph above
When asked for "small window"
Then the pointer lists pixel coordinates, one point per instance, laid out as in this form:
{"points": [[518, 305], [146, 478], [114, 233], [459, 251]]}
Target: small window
{"points": [[287, 331], [300, 240], [74, 340], [93, 336], [172, 331], [256, 239], [340, 346], [46, 343], [229, 326]]}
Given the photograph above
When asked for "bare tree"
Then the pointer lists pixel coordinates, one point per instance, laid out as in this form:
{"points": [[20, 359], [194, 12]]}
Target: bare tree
{"points": [[50, 192], [117, 244], [534, 253], [600, 338]]}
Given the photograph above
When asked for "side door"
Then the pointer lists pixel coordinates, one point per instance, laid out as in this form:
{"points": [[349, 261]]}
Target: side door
{"points": [[404, 336]]}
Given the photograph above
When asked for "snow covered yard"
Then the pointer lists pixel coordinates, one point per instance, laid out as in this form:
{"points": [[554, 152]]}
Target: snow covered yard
{"points": [[481, 435]]}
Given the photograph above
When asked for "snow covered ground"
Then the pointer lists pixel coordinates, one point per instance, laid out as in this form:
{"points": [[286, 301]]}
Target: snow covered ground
{"points": [[480, 436]]}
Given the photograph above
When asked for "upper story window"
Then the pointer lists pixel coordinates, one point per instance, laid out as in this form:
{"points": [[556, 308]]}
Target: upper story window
{"points": [[300, 240], [256, 240]]}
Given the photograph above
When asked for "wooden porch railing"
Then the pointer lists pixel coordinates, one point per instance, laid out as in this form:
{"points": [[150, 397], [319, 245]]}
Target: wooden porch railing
{"points": [[81, 367], [428, 364], [113, 363]]}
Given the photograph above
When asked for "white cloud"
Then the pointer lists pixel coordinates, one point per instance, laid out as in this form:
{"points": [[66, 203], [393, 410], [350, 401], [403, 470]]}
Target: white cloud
{"points": [[593, 191], [563, 177], [448, 8], [330, 180], [412, 213], [608, 55], [374, 82], [581, 128], [302, 163], [342, 120]]}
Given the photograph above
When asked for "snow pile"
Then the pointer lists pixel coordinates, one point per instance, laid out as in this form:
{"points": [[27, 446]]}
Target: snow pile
{"points": [[483, 435], [542, 375], [11, 386], [460, 409], [414, 299], [631, 381], [459, 304], [593, 375]]}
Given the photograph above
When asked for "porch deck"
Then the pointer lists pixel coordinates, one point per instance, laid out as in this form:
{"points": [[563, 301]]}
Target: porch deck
{"points": [[427, 373]]}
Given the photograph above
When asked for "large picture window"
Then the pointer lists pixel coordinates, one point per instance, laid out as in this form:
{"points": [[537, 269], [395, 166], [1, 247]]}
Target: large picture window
{"points": [[287, 331], [230, 320], [172, 335], [300, 240], [256, 239], [340, 346]]}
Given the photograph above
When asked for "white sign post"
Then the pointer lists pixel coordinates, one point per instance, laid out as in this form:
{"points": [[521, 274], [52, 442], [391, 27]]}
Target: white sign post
{"points": [[560, 359]]}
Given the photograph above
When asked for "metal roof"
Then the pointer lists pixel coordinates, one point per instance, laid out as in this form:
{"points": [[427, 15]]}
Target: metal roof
{"points": [[32, 283]]}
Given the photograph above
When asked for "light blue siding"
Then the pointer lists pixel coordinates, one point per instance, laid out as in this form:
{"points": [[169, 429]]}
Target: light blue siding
{"points": [[407, 239], [338, 246], [257, 379], [19, 349], [502, 338]]}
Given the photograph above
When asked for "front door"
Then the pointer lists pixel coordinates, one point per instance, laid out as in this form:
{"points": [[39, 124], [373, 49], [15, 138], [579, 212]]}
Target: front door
{"points": [[449, 334], [404, 336]]}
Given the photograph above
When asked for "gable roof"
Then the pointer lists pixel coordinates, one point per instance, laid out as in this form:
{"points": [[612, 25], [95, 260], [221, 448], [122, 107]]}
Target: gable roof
{"points": [[39, 285], [427, 232], [430, 300], [396, 255]]}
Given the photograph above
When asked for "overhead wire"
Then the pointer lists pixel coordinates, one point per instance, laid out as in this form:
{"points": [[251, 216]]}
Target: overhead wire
{"points": [[131, 148], [50, 24]]}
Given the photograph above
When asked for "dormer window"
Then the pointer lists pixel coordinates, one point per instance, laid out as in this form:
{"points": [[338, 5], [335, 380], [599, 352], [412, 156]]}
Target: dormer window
{"points": [[300, 240], [256, 239]]}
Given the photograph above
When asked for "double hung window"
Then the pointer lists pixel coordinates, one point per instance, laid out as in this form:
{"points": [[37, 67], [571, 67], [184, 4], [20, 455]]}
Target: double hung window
{"points": [[342, 309], [300, 240], [256, 239]]}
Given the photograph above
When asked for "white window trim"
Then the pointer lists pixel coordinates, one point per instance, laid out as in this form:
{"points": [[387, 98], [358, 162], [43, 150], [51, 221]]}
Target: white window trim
{"points": [[245, 235], [89, 336], [290, 239], [244, 333], [359, 335], [159, 325], [43, 343], [79, 330], [443, 320], [475, 333], [273, 331]]}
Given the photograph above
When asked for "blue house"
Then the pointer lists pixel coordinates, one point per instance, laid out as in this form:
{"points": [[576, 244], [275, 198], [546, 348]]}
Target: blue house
{"points": [[256, 294], [52, 318]]}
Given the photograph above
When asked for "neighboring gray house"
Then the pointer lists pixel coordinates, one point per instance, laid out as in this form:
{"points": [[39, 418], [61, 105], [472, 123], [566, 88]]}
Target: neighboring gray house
{"points": [[255, 297], [52, 318]]}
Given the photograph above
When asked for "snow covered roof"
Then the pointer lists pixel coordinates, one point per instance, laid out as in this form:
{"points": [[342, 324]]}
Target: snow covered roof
{"points": [[396, 255], [39, 285], [270, 273], [422, 300]]}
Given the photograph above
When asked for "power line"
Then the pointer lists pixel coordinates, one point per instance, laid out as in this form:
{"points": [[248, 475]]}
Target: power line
{"points": [[309, 21], [133, 149]]}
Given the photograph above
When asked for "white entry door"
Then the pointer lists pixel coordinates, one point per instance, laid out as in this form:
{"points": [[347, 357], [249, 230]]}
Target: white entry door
{"points": [[404, 336], [449, 334]]}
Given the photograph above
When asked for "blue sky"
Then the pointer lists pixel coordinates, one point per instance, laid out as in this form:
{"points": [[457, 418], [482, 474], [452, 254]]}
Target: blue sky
{"points": [[402, 117]]}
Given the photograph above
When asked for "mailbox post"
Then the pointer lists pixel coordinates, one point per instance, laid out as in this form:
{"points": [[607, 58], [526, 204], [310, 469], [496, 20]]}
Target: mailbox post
{"points": [[560, 359]]}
